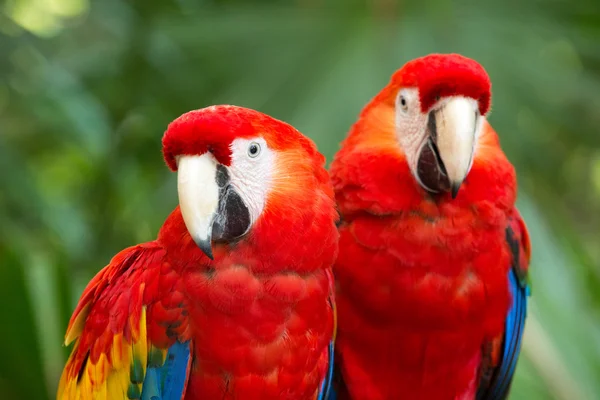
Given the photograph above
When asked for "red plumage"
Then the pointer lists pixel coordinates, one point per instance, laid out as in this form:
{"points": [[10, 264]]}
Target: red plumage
{"points": [[422, 279], [440, 75], [199, 131], [259, 316]]}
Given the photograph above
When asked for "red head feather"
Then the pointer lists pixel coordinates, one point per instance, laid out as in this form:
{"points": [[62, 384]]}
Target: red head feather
{"points": [[214, 128], [440, 75]]}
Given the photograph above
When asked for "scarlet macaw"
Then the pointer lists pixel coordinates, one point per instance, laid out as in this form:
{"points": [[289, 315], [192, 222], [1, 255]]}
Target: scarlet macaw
{"points": [[234, 299], [431, 275]]}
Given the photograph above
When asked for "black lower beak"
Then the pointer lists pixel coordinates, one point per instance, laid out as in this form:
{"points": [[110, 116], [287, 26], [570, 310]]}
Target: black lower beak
{"points": [[431, 171], [232, 218]]}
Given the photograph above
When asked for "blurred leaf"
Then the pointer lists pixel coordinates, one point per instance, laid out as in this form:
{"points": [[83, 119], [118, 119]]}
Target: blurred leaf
{"points": [[21, 368]]}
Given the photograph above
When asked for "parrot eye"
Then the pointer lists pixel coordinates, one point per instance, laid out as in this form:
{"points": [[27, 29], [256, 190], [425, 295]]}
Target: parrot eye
{"points": [[403, 104], [253, 150]]}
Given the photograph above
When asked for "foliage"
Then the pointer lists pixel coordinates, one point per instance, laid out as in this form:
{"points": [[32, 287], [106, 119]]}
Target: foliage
{"points": [[86, 91]]}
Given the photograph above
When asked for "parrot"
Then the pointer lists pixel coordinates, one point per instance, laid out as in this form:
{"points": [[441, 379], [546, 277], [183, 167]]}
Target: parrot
{"points": [[235, 297], [432, 272]]}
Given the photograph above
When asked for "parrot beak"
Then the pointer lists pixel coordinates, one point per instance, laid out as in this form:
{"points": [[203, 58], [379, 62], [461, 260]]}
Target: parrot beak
{"points": [[198, 197], [211, 208], [447, 154]]}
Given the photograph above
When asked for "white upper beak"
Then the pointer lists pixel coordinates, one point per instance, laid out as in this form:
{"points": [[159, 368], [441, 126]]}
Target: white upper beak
{"points": [[457, 125], [198, 197]]}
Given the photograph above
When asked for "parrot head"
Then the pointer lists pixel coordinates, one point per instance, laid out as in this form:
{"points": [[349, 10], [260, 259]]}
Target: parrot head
{"points": [[231, 161], [440, 101]]}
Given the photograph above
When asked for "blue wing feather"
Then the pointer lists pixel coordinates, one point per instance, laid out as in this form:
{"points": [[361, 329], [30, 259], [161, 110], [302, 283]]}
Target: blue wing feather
{"points": [[515, 324], [327, 392], [499, 385], [168, 381]]}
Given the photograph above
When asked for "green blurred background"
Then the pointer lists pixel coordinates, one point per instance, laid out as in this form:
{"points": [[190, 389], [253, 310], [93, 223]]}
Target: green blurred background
{"points": [[87, 89]]}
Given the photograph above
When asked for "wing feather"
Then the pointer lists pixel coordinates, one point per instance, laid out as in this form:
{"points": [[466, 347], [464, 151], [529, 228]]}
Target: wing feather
{"points": [[113, 356], [497, 372], [327, 392]]}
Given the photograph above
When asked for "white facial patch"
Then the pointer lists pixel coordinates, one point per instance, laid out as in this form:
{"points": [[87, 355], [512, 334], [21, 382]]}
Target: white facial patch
{"points": [[411, 125], [251, 172]]}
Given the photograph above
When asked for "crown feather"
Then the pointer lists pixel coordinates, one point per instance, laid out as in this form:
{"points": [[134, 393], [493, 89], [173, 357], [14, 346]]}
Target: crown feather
{"points": [[443, 75]]}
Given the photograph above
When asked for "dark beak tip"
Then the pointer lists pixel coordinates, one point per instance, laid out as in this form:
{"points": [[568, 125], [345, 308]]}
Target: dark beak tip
{"points": [[454, 190], [206, 246]]}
